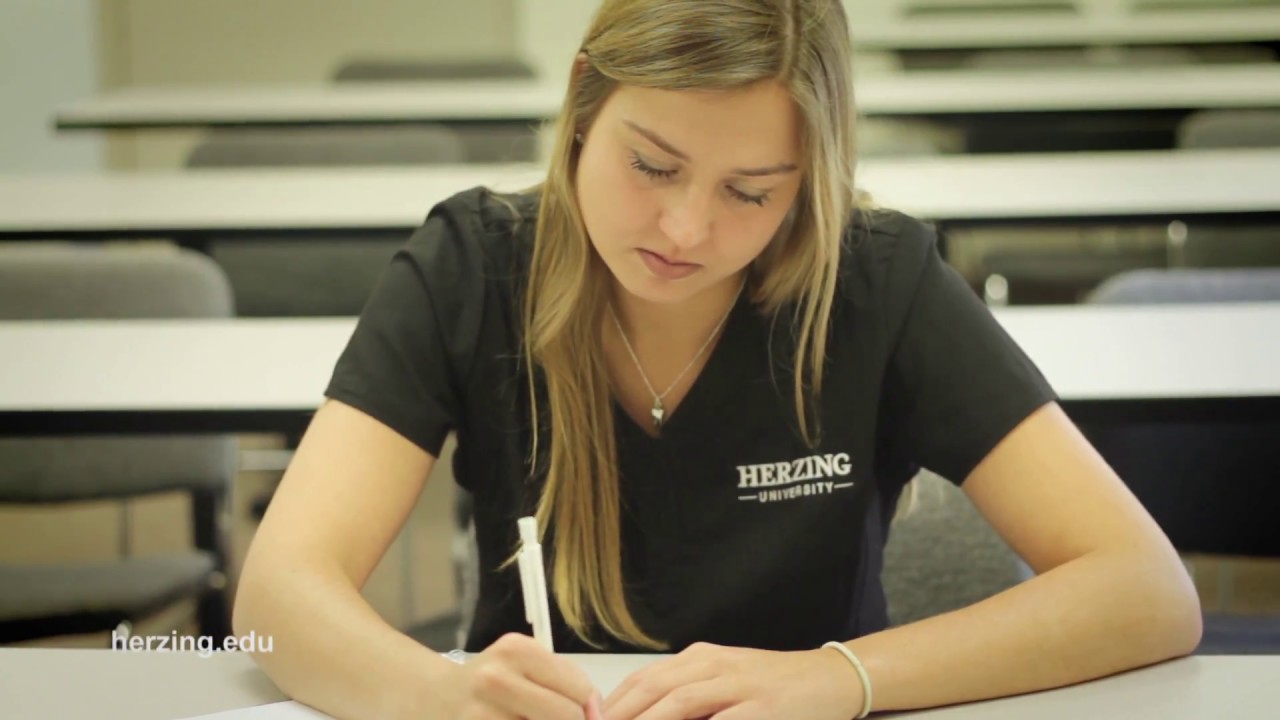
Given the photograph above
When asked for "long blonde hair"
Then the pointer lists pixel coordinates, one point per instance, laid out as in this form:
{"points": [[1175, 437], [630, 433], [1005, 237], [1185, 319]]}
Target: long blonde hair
{"points": [[686, 45]]}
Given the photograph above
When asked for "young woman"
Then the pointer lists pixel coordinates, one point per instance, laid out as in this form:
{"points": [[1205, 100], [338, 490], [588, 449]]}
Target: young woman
{"points": [[710, 369]]}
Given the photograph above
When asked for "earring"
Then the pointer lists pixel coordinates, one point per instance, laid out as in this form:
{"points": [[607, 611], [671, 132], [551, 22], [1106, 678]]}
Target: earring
{"points": [[578, 137]]}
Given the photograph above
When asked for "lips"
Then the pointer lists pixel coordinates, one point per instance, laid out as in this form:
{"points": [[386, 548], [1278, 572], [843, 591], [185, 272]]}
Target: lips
{"points": [[663, 267]]}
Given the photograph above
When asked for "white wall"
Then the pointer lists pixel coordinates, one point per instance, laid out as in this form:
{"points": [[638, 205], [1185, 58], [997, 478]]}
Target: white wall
{"points": [[48, 57], [250, 41], [190, 43], [549, 33]]}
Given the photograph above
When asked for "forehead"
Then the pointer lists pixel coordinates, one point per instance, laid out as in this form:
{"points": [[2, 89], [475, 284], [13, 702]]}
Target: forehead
{"points": [[760, 120]]}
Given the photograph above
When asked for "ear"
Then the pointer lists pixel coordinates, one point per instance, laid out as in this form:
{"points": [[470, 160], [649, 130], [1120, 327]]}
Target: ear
{"points": [[580, 65]]}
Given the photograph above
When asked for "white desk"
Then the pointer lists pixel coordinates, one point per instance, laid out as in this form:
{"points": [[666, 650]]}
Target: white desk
{"points": [[107, 685], [987, 29], [959, 189], [262, 374], [228, 202], [948, 92], [899, 93]]}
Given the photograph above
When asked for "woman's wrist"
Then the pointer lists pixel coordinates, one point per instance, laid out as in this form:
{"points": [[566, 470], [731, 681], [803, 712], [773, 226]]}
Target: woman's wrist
{"points": [[842, 675], [429, 692]]}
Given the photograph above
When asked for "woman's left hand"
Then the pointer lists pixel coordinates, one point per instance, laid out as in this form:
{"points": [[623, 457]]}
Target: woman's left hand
{"points": [[729, 683]]}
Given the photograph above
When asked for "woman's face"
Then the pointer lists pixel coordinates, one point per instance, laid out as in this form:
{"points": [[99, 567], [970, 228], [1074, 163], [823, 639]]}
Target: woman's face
{"points": [[680, 190]]}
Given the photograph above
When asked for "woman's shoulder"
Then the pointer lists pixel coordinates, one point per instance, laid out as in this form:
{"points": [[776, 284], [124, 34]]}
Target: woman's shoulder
{"points": [[477, 230], [884, 252]]}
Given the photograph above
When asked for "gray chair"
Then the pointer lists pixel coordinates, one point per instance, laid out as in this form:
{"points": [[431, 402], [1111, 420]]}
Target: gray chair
{"points": [[274, 277], [1078, 58], [1057, 132], [1209, 484], [487, 142], [48, 282], [1105, 57], [1207, 129], [943, 555], [331, 276], [1206, 244], [384, 69]]}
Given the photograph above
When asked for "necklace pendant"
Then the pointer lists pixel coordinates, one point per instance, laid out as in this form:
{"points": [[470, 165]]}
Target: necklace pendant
{"points": [[658, 412]]}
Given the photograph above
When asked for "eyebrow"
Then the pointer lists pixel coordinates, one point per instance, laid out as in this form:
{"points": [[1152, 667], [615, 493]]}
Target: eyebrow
{"points": [[656, 139]]}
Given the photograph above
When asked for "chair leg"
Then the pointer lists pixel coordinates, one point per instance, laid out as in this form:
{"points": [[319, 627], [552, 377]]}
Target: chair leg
{"points": [[258, 508], [213, 614], [209, 526]]}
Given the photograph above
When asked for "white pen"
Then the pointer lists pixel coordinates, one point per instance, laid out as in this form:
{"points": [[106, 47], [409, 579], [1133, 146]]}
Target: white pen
{"points": [[533, 580]]}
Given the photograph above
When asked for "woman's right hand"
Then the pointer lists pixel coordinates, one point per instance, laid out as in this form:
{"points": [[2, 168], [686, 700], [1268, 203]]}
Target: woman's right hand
{"points": [[516, 677]]}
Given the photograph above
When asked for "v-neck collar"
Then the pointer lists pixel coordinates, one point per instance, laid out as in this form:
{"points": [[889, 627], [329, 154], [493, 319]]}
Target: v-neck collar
{"points": [[715, 379]]}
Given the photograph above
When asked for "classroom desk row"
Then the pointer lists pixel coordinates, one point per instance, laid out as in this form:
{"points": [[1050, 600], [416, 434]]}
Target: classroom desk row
{"points": [[1160, 363], [1156, 186], [1060, 24], [117, 685], [948, 92]]}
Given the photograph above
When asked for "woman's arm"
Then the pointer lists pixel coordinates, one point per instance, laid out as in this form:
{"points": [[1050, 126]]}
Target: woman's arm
{"points": [[343, 499], [1110, 593]]}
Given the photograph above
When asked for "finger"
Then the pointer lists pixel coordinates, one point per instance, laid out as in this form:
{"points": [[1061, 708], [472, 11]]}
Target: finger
{"points": [[649, 686], [543, 667], [699, 700], [697, 654]]}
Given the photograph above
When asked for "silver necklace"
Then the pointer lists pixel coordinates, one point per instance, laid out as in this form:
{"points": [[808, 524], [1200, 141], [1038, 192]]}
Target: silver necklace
{"points": [[658, 411]]}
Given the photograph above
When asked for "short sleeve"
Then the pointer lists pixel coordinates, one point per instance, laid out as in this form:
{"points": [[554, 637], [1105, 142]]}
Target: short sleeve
{"points": [[415, 333], [956, 382]]}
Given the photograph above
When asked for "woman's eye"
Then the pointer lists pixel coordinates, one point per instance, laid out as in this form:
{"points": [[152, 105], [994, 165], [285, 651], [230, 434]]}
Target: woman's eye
{"points": [[655, 173], [757, 200], [649, 170]]}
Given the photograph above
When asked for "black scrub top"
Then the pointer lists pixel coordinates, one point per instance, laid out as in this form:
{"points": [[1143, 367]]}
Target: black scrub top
{"points": [[735, 531]]}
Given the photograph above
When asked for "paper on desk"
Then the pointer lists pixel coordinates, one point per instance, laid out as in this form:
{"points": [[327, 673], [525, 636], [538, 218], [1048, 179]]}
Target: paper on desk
{"points": [[287, 710]]}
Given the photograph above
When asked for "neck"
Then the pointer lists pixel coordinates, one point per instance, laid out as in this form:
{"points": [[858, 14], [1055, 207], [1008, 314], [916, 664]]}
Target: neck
{"points": [[689, 322]]}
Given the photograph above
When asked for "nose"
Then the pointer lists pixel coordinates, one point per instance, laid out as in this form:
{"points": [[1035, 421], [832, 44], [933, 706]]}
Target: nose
{"points": [[687, 218]]}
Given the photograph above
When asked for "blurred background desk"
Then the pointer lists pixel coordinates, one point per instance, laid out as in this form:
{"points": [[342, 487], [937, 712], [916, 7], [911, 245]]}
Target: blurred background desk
{"points": [[958, 191], [1161, 363], [947, 92], [933, 24]]}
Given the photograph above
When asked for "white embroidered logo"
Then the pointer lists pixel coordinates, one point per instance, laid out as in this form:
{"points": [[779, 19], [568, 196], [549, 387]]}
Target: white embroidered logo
{"points": [[802, 477]]}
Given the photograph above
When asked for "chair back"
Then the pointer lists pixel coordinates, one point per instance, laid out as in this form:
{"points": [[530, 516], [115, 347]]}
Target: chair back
{"points": [[66, 281], [944, 555]]}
